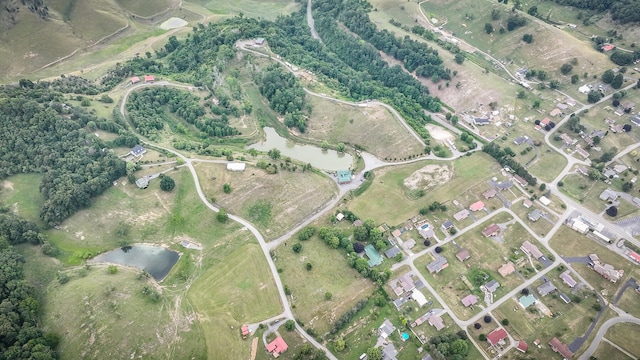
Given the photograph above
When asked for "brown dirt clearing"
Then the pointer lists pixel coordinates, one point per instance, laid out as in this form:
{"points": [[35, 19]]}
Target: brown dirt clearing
{"points": [[428, 177]]}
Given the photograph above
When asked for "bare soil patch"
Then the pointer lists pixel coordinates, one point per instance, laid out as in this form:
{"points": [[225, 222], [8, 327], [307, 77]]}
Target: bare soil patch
{"points": [[438, 133], [428, 177]]}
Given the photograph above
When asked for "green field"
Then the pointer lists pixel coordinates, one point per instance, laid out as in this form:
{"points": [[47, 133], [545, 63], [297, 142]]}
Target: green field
{"points": [[22, 194], [252, 8], [608, 351], [274, 203], [624, 335], [630, 302], [387, 199]]}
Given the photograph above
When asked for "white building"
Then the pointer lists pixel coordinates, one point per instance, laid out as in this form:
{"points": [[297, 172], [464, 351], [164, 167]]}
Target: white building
{"points": [[236, 166]]}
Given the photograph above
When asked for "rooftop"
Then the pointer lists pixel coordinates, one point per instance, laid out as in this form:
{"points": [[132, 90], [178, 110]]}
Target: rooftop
{"points": [[375, 258], [491, 230], [546, 288], [438, 264], [344, 176], [277, 346], [463, 255], [469, 300], [526, 301], [497, 336], [476, 206], [531, 249]]}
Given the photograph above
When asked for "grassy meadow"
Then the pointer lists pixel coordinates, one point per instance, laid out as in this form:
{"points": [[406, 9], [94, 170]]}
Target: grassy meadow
{"points": [[252, 8], [624, 335]]}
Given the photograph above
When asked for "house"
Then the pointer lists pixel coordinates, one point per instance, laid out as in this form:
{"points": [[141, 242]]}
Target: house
{"points": [[572, 26], [555, 112], [545, 122], [544, 200], [436, 322], [608, 195], [497, 337], [409, 244], [526, 301], [438, 264], [489, 193], [521, 140], [634, 256], [567, 279], [583, 170], [559, 347], [237, 166], [520, 180], [469, 300], [491, 230], [582, 152], [143, 182], [259, 41], [461, 215], [491, 286], [138, 150], [476, 206], [427, 234], [522, 346], [636, 120], [505, 185], [562, 106], [531, 250], [481, 121], [605, 270], [403, 284], [620, 168], [149, 78], [375, 258], [507, 269], [277, 346], [339, 216], [463, 255], [447, 225], [396, 233], [389, 352], [135, 80], [578, 225], [585, 89], [571, 102], [627, 106], [392, 252], [344, 176], [386, 329], [535, 215], [607, 47], [616, 128], [419, 297], [527, 203], [567, 140], [358, 222], [244, 330], [546, 288]]}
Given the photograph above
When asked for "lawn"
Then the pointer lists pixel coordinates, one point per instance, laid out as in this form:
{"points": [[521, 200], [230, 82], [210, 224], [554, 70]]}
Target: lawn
{"points": [[93, 312], [145, 7], [22, 194], [540, 227], [585, 191], [625, 335], [308, 288], [340, 123], [387, 198], [233, 288], [630, 302], [274, 203], [607, 351]]}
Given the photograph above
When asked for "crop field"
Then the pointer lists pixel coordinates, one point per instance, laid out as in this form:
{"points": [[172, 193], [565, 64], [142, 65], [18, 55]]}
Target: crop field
{"points": [[624, 335], [373, 128], [274, 203], [387, 199], [308, 287], [550, 49], [94, 311], [252, 8]]}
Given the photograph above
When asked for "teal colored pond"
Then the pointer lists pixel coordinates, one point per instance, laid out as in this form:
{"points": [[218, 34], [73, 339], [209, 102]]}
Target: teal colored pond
{"points": [[155, 260]]}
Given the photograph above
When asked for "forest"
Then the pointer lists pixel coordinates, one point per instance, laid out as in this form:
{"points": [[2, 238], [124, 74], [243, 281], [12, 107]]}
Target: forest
{"points": [[20, 337], [622, 11], [40, 134], [285, 95]]}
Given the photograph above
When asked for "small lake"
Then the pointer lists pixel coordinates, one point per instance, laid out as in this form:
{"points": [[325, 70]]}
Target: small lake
{"points": [[155, 260], [329, 160]]}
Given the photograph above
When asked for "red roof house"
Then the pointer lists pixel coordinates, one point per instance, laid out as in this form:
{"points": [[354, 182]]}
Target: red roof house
{"points": [[135, 80], [497, 336], [149, 78], [634, 256], [522, 346], [520, 180], [491, 230], [277, 346], [476, 206], [559, 347], [607, 47], [245, 331], [545, 121]]}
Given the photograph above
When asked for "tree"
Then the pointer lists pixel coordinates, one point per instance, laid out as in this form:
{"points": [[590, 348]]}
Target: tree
{"points": [[358, 247], [594, 96], [554, 84], [488, 27], [308, 266], [626, 128], [482, 337], [274, 154], [617, 81], [533, 10], [226, 188], [290, 325], [112, 269], [459, 58], [542, 187], [612, 211], [339, 345], [575, 78], [297, 247], [341, 147], [627, 186], [222, 216], [607, 76], [528, 38], [427, 243], [325, 145], [374, 353], [477, 326], [438, 249], [166, 183], [360, 233], [566, 68], [459, 347], [328, 296], [487, 319], [505, 321]]}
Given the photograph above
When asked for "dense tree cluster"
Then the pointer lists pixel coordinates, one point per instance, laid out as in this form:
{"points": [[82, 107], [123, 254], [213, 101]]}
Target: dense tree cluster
{"points": [[505, 159], [20, 337], [449, 346], [285, 95], [76, 165], [623, 11], [147, 111], [346, 318]]}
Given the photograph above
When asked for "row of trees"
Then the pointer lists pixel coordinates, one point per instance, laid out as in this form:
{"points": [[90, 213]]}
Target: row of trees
{"points": [[505, 158], [20, 337], [35, 138]]}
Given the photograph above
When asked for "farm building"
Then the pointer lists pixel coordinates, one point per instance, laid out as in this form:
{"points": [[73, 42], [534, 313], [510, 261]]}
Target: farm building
{"points": [[135, 80], [244, 330]]}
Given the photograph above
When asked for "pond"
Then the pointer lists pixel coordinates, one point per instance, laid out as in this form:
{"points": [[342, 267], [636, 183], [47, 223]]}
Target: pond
{"points": [[329, 160], [155, 260]]}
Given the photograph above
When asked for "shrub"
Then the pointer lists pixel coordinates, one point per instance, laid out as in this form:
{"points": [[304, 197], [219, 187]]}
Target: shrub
{"points": [[297, 247]]}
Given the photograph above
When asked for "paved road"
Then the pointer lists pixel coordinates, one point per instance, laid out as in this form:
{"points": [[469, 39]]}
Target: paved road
{"points": [[311, 22], [603, 329]]}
